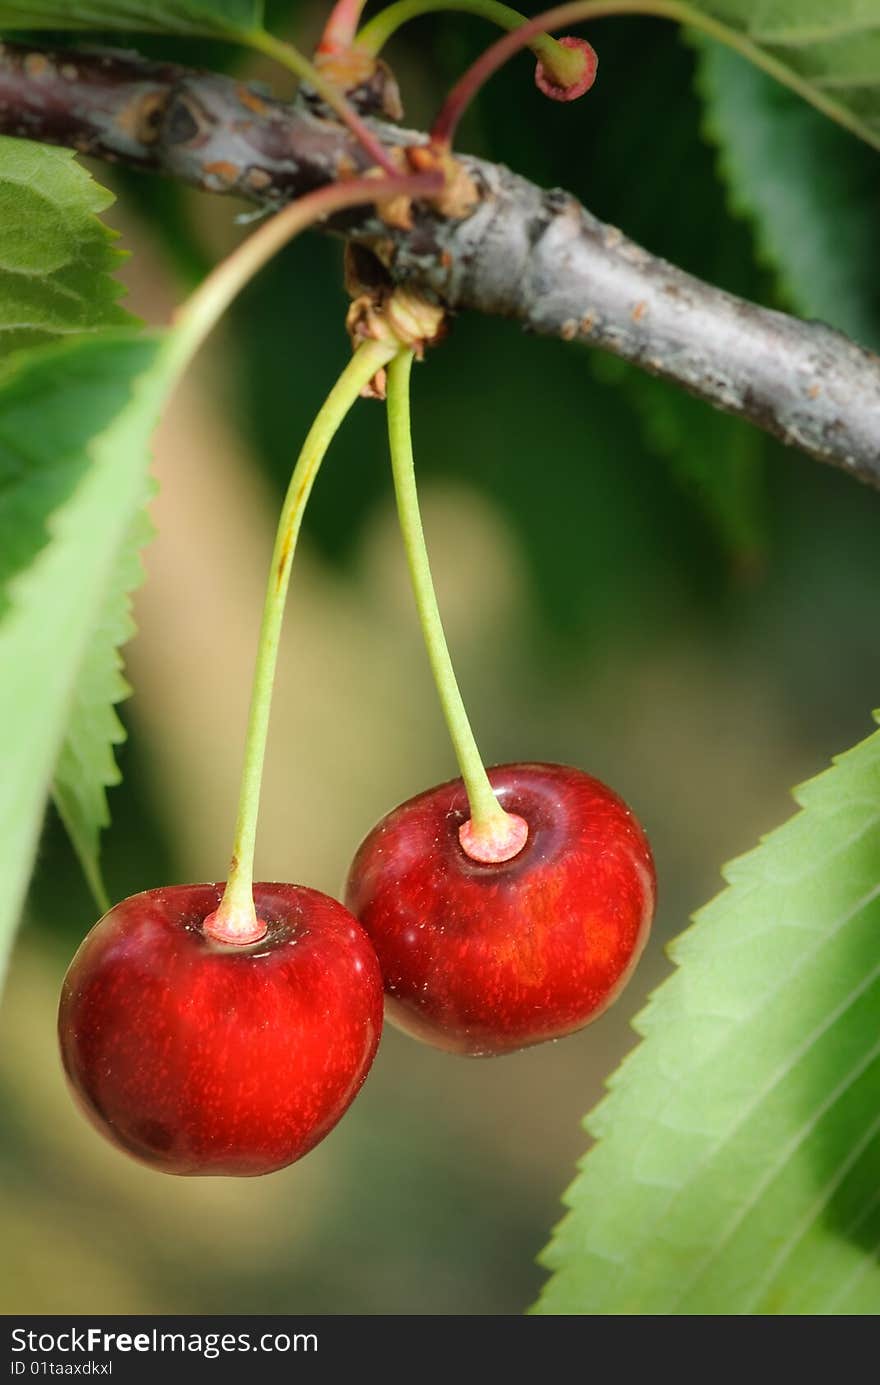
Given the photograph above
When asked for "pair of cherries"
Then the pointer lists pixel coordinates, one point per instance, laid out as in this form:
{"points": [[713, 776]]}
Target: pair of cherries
{"points": [[201, 1056]]}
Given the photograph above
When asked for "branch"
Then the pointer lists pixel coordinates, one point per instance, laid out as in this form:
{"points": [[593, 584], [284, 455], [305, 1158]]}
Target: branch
{"points": [[524, 253]]}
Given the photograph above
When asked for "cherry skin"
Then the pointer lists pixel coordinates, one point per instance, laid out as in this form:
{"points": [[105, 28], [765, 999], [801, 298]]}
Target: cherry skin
{"points": [[201, 1057], [482, 959]]}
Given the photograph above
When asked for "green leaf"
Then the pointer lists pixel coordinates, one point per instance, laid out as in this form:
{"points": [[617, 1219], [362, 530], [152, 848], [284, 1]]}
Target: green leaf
{"points": [[86, 766], [830, 53], [717, 460], [804, 21], [56, 260], [41, 467], [56, 257], [217, 17], [111, 387], [809, 189], [738, 1155]]}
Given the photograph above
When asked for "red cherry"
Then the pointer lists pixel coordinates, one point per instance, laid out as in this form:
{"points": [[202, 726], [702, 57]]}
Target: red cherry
{"points": [[200, 1057], [482, 959], [546, 84]]}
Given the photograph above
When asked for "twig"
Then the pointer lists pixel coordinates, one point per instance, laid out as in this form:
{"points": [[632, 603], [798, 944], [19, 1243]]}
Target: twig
{"points": [[522, 252]]}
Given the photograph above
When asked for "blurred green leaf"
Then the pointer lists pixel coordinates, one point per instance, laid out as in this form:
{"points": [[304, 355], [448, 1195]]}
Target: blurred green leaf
{"points": [[796, 20], [40, 470], [831, 50], [158, 16], [57, 607], [809, 189], [86, 765], [56, 257], [719, 462], [55, 264], [602, 529], [738, 1154]]}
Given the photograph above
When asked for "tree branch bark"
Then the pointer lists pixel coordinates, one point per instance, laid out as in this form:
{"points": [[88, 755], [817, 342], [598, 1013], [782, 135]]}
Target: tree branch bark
{"points": [[525, 253]]}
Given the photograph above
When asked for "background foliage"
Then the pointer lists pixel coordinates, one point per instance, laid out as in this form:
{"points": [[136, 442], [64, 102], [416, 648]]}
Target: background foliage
{"points": [[682, 607]]}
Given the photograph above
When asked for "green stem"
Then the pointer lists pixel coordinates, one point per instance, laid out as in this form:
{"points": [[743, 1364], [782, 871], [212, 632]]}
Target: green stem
{"points": [[203, 309], [488, 818], [581, 10], [564, 65], [294, 61], [235, 921]]}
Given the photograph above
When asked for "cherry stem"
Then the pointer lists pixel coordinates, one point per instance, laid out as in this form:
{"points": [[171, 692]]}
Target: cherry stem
{"points": [[562, 64], [489, 823], [236, 921], [341, 28], [294, 61], [202, 310], [497, 55]]}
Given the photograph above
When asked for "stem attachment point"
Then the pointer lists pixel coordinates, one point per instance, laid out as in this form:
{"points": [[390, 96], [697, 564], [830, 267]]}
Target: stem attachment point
{"points": [[494, 841], [240, 928]]}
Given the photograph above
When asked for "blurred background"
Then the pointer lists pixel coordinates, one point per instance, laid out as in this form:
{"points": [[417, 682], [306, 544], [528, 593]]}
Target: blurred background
{"points": [[631, 583]]}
